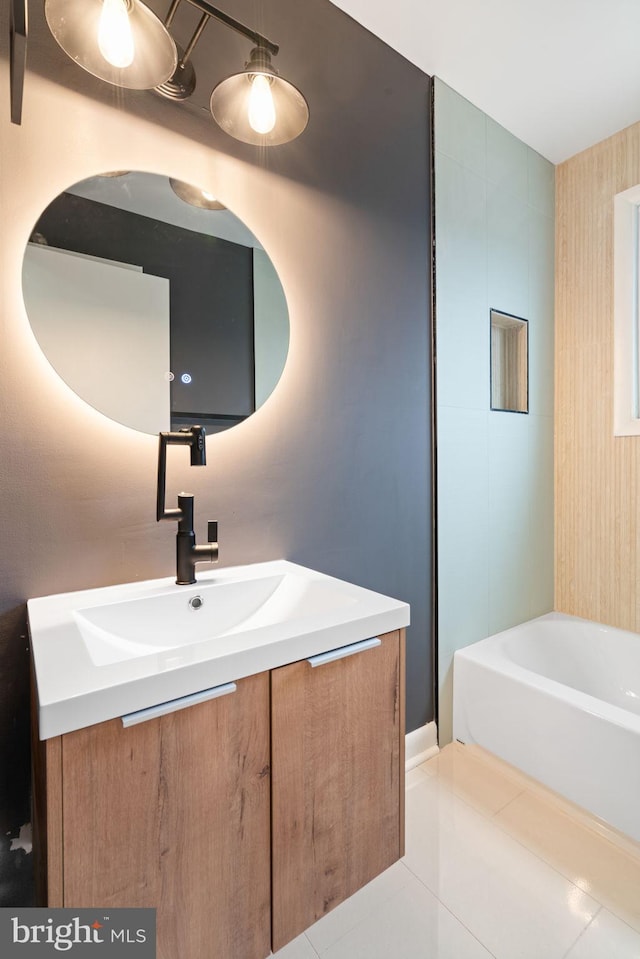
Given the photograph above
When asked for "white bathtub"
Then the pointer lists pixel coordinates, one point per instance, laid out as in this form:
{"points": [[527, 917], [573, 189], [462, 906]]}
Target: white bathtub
{"points": [[559, 698]]}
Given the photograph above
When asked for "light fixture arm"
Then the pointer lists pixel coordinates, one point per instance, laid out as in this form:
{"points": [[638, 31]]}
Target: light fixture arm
{"points": [[213, 12], [204, 20]]}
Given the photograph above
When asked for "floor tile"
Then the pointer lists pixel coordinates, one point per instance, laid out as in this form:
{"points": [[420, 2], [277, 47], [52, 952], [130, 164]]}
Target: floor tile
{"points": [[589, 860], [300, 948], [472, 779], [366, 902], [497, 765], [415, 776], [488, 879], [428, 767], [606, 938], [411, 925], [513, 902]]}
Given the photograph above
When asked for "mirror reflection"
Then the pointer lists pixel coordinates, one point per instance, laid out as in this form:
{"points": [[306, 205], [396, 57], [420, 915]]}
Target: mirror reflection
{"points": [[155, 304]]}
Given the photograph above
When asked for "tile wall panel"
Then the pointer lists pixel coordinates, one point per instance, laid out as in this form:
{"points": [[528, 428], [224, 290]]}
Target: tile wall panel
{"points": [[494, 248]]}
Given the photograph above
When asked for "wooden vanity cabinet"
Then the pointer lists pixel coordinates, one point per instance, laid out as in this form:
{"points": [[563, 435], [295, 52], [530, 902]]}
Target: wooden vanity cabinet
{"points": [[172, 813], [337, 740], [242, 819]]}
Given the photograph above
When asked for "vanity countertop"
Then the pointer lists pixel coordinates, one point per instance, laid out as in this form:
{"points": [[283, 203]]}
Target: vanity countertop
{"points": [[103, 653]]}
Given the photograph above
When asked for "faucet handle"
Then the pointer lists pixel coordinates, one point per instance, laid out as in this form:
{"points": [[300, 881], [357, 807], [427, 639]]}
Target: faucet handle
{"points": [[212, 531]]}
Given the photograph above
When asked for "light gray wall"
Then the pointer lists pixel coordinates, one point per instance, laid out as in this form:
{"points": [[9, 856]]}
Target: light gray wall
{"points": [[494, 199], [334, 470]]}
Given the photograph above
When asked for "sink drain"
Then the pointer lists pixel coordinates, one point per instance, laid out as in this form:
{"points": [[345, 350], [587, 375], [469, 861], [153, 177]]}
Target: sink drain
{"points": [[196, 602]]}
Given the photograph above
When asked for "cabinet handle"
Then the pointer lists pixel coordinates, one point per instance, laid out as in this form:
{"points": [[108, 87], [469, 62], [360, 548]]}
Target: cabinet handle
{"points": [[151, 712], [342, 651]]}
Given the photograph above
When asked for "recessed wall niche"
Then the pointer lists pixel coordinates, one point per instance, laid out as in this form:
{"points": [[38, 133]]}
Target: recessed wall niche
{"points": [[509, 362]]}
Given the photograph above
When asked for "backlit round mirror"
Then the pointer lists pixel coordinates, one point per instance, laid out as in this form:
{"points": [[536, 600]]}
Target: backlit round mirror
{"points": [[154, 303]]}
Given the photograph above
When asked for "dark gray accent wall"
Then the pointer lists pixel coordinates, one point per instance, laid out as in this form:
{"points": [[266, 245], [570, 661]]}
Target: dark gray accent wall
{"points": [[334, 471]]}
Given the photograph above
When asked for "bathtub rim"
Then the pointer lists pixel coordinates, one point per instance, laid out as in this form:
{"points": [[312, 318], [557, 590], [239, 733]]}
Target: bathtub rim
{"points": [[490, 654]]}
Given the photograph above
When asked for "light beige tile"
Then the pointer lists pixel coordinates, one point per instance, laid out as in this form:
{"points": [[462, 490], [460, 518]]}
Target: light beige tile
{"points": [[485, 788], [577, 813], [606, 937], [602, 869], [300, 948], [515, 904], [412, 925], [430, 767], [498, 765], [366, 903], [415, 776]]}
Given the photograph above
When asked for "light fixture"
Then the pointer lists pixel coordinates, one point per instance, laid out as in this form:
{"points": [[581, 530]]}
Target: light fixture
{"points": [[124, 43], [257, 105], [120, 41], [195, 196]]}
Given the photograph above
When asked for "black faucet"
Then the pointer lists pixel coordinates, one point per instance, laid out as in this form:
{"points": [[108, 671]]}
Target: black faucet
{"points": [[187, 553]]}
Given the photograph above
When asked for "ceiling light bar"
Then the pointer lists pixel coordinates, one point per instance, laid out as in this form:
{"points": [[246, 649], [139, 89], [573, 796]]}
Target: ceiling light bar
{"points": [[124, 43], [257, 38]]}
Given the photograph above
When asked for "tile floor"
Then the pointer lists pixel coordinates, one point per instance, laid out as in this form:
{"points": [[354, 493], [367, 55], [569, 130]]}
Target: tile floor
{"points": [[495, 866]]}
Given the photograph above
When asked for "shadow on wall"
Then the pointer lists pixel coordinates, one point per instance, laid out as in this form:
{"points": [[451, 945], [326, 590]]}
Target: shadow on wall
{"points": [[16, 868]]}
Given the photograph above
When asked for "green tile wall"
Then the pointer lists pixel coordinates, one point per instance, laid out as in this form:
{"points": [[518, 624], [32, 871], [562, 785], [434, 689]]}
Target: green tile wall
{"points": [[494, 201]]}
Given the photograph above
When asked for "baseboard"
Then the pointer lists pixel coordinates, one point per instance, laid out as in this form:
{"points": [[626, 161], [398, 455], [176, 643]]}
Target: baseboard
{"points": [[420, 745]]}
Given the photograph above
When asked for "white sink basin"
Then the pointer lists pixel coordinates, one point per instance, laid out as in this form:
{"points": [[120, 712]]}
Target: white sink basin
{"points": [[103, 653], [141, 627]]}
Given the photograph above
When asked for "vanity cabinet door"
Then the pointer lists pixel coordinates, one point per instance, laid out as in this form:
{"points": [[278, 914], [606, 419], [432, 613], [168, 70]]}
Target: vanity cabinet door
{"points": [[175, 813], [337, 780]]}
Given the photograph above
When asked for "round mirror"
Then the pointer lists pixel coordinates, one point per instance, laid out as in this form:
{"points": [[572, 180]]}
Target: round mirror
{"points": [[155, 304]]}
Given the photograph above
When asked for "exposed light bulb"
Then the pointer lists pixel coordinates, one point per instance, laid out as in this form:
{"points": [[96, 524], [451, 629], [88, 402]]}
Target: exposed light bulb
{"points": [[115, 39], [208, 196], [262, 111]]}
